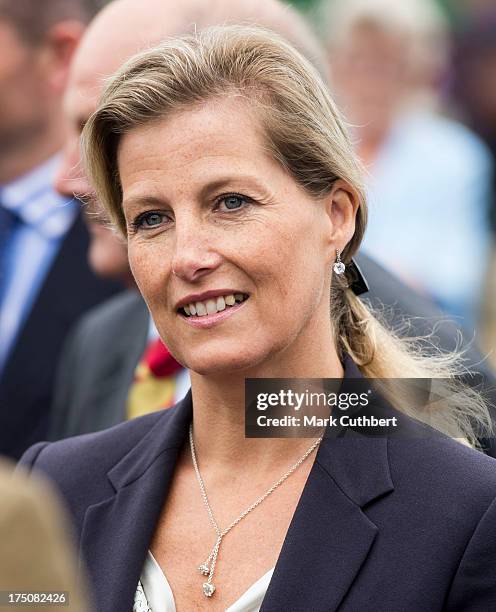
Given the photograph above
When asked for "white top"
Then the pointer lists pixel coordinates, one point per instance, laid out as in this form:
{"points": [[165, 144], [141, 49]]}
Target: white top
{"points": [[154, 593]]}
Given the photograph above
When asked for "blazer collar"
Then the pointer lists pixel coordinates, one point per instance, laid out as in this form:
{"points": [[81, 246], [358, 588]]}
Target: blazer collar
{"points": [[330, 536], [167, 434], [327, 542], [358, 464], [117, 531]]}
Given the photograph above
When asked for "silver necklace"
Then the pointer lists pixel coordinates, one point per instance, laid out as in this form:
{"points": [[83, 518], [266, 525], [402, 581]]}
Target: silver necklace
{"points": [[207, 568]]}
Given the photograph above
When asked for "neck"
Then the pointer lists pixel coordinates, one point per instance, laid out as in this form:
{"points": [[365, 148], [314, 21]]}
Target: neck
{"points": [[219, 406], [23, 156]]}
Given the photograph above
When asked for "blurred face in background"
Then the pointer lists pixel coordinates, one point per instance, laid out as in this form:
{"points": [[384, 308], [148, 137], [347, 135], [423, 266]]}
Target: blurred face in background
{"points": [[25, 88], [370, 78], [107, 252]]}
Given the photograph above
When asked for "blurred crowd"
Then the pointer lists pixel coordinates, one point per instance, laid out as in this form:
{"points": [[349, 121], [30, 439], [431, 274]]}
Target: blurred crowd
{"points": [[415, 80], [418, 91]]}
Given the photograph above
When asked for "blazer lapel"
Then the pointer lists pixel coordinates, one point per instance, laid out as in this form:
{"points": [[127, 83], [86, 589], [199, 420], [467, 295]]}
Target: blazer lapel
{"points": [[117, 532], [330, 536]]}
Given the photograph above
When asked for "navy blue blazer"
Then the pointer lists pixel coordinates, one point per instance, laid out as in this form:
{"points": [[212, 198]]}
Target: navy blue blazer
{"points": [[384, 524]]}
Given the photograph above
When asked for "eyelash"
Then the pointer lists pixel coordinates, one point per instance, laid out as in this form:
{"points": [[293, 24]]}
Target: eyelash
{"points": [[225, 196], [137, 223]]}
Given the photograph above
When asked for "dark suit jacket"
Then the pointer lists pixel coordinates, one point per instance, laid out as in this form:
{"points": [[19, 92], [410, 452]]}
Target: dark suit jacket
{"points": [[98, 361], [69, 289], [97, 366], [383, 524]]}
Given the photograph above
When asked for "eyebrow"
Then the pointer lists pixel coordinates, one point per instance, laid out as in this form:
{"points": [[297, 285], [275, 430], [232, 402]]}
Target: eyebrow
{"points": [[139, 201], [222, 182]]}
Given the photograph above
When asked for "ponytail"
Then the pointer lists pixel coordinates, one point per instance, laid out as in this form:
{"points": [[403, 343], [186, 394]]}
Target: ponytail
{"points": [[380, 353]]}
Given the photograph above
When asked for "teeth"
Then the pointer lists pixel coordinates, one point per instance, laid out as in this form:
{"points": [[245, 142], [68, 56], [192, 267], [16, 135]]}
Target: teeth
{"points": [[201, 309], [213, 305]]}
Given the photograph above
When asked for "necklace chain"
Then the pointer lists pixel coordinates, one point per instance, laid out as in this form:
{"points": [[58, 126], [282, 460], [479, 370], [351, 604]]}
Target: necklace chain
{"points": [[207, 568]]}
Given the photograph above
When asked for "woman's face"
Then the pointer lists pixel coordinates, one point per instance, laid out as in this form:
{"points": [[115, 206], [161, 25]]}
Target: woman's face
{"points": [[210, 216]]}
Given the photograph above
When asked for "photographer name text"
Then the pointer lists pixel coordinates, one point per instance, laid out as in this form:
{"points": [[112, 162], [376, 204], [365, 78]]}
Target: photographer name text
{"points": [[343, 420]]}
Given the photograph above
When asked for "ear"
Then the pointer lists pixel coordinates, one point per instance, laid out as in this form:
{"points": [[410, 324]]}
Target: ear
{"points": [[341, 205], [59, 46]]}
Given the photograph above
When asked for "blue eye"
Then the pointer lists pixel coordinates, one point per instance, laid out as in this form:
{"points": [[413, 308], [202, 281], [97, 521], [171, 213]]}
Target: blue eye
{"points": [[150, 220], [233, 201]]}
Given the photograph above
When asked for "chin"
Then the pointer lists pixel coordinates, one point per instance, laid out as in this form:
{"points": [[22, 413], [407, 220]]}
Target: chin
{"points": [[222, 362]]}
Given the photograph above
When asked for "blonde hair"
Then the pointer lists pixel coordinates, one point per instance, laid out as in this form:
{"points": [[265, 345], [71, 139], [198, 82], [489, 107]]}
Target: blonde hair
{"points": [[306, 134]]}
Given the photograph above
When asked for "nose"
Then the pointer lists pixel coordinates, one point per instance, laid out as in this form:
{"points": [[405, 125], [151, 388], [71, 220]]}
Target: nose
{"points": [[195, 253], [70, 179]]}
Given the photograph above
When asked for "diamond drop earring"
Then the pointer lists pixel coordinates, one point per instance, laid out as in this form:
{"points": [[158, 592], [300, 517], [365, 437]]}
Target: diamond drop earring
{"points": [[338, 266]]}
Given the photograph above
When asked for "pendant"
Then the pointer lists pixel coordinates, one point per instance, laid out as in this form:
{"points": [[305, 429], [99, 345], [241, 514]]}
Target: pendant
{"points": [[207, 568], [208, 589], [204, 569]]}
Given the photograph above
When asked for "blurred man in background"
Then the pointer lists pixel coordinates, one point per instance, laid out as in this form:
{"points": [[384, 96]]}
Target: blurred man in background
{"points": [[430, 177], [45, 281]]}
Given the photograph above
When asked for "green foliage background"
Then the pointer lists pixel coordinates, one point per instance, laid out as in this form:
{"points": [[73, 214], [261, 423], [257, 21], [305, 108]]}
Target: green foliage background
{"points": [[451, 7]]}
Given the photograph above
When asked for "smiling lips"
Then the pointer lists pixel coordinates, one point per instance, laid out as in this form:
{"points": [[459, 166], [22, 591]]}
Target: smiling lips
{"points": [[212, 305]]}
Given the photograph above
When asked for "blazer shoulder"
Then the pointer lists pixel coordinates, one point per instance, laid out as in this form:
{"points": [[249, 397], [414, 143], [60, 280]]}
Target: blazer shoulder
{"points": [[79, 466], [88, 456], [446, 468]]}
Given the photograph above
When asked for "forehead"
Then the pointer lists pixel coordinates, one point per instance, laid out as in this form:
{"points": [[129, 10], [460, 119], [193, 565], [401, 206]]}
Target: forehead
{"points": [[369, 35], [96, 59], [214, 136], [118, 32], [81, 96]]}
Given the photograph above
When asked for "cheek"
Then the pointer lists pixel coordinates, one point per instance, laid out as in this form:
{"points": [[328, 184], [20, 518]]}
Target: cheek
{"points": [[149, 271], [298, 247], [289, 261]]}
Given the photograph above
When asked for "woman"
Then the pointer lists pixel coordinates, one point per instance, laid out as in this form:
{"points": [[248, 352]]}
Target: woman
{"points": [[225, 163]]}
